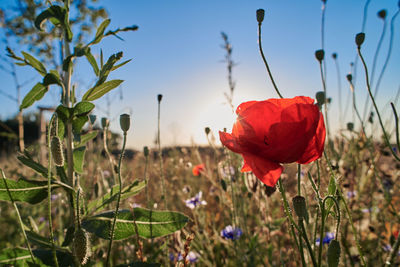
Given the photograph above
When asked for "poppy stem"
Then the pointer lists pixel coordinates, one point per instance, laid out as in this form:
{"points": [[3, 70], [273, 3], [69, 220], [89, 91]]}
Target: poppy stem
{"points": [[265, 61], [386, 138], [326, 102], [298, 179]]}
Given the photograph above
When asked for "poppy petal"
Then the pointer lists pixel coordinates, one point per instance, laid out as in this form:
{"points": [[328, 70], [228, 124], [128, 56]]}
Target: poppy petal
{"points": [[265, 170], [242, 107], [229, 141]]}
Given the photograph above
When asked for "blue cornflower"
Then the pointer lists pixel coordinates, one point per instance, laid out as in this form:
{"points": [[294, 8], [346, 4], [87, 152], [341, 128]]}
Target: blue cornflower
{"points": [[195, 201], [231, 233], [326, 240], [192, 256]]}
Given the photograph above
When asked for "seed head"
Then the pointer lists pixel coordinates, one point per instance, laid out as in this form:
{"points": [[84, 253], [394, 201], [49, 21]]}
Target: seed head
{"points": [[260, 15], [207, 130], [57, 151], [125, 122], [159, 97], [319, 55], [104, 122], [146, 151], [334, 56], [360, 37], [299, 206], [81, 246], [382, 14]]}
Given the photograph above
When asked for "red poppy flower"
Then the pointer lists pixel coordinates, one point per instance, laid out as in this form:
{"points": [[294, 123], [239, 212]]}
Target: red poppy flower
{"points": [[198, 169], [267, 133]]}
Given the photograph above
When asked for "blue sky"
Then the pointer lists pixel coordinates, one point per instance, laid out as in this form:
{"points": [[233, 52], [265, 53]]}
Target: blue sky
{"points": [[177, 52]]}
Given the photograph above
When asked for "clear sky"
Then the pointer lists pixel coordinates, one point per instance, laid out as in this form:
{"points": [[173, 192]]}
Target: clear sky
{"points": [[177, 52]]}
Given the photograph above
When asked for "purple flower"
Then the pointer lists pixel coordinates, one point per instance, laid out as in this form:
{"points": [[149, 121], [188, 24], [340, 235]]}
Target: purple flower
{"points": [[232, 233], [192, 256], [326, 240], [195, 201], [351, 194]]}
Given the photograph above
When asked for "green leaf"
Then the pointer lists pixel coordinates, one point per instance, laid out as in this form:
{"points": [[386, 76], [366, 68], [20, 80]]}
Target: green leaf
{"points": [[56, 12], [12, 255], [107, 68], [35, 94], [90, 58], [86, 138], [331, 191], [51, 78], [79, 157], [64, 113], [100, 31], [127, 191], [22, 190], [120, 65], [98, 91], [36, 166], [80, 50], [67, 63], [150, 223], [36, 64], [83, 108], [78, 123]]}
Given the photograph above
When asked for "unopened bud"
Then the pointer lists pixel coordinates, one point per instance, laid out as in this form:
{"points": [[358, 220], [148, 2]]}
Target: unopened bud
{"points": [[104, 122], [382, 14], [260, 15], [57, 151], [159, 97], [333, 253], [125, 122], [92, 118], [334, 56], [360, 37], [81, 246], [349, 77], [54, 127], [146, 151], [207, 130], [350, 126], [320, 96], [299, 206], [319, 55]]}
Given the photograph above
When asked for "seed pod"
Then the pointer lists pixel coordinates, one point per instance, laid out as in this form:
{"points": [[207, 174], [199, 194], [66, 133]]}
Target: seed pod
{"points": [[333, 253], [81, 246], [159, 97], [299, 206], [104, 122], [320, 96], [334, 56], [350, 126], [360, 37], [207, 130], [125, 122], [260, 15], [54, 127], [146, 151], [382, 14], [319, 55], [57, 151], [349, 77], [92, 118]]}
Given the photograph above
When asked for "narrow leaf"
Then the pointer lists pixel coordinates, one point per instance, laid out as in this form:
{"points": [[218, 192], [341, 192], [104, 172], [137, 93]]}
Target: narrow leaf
{"points": [[36, 166], [22, 190], [79, 156], [150, 223], [108, 198], [120, 65], [51, 78], [55, 11], [36, 64], [90, 58], [86, 138], [98, 91], [78, 123], [100, 31], [35, 94]]}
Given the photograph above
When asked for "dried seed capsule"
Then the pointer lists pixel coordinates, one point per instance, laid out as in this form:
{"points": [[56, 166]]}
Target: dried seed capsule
{"points": [[299, 206], [382, 14], [125, 122], [350, 126], [334, 56], [333, 253], [349, 77], [260, 15], [319, 55], [104, 122], [146, 151], [81, 246], [360, 37], [320, 96], [159, 97], [57, 151], [207, 130]]}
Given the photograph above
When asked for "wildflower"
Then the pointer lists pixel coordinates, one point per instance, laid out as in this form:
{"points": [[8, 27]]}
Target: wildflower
{"points": [[326, 240], [193, 256], [230, 232], [351, 194], [198, 169], [276, 131], [195, 201]]}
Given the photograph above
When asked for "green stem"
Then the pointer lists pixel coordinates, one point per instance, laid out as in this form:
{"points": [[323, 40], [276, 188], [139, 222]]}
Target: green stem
{"points": [[300, 220], [396, 119], [326, 102], [118, 201], [164, 196], [393, 254], [298, 179], [147, 182], [53, 249], [305, 237], [375, 106], [265, 61], [21, 224]]}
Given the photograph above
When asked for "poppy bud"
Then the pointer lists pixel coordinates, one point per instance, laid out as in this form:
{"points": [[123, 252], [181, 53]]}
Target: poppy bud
{"points": [[146, 151], [333, 253], [319, 55], [360, 37], [260, 15], [159, 97], [349, 77], [125, 122], [57, 151], [371, 118], [320, 96], [207, 130], [334, 55], [92, 118], [54, 127], [104, 122], [81, 246], [382, 14], [299, 206], [350, 126]]}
